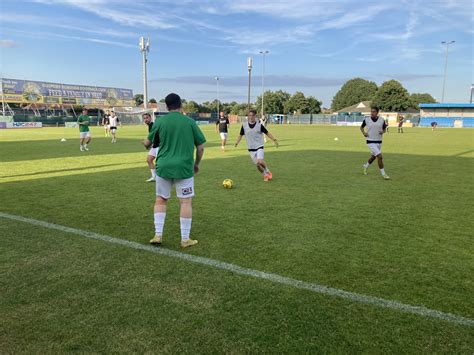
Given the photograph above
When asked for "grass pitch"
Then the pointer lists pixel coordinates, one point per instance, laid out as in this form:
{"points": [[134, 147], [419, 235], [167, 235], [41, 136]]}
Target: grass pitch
{"points": [[320, 220]]}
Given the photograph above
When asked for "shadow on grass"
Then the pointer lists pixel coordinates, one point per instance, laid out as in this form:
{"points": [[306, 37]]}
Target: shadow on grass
{"points": [[51, 149]]}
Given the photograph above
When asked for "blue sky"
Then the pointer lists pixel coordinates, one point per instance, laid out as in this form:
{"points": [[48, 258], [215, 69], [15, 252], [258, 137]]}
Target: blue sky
{"points": [[315, 46]]}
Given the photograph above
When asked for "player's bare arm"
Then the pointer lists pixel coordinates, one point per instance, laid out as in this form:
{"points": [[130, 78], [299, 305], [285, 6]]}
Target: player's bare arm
{"points": [[147, 143], [199, 154], [275, 141], [239, 138]]}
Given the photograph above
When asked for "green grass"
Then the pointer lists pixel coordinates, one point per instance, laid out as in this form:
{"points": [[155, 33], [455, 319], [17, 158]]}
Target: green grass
{"points": [[320, 220]]}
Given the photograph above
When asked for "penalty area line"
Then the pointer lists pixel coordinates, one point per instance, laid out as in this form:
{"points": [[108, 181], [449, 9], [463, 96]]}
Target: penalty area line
{"points": [[275, 278]]}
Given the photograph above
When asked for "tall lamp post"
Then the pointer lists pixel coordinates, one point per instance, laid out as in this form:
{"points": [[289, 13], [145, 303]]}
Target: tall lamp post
{"points": [[249, 67], [144, 49], [445, 66], [263, 53], [217, 88]]}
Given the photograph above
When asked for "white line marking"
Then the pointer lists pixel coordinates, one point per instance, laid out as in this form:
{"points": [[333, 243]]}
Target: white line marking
{"points": [[334, 292]]}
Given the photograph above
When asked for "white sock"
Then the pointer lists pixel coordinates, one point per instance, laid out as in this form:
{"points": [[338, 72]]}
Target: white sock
{"points": [[159, 222], [153, 173], [266, 171], [382, 171], [185, 228], [85, 145], [367, 164]]}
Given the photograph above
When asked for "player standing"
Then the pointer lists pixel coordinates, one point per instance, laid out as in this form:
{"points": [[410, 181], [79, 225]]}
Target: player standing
{"points": [[113, 119], [152, 153], [253, 131], [84, 134], [176, 135], [401, 120], [106, 122], [376, 127], [222, 127]]}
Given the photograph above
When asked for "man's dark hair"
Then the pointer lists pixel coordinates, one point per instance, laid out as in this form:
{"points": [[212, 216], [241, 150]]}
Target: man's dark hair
{"points": [[173, 101], [85, 109], [146, 114], [375, 108], [253, 111]]}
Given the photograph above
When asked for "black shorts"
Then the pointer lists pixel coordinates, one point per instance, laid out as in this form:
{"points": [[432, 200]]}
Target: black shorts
{"points": [[113, 127]]}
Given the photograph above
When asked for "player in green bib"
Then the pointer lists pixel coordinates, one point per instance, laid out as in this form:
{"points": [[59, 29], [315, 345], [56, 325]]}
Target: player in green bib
{"points": [[177, 136], [84, 134]]}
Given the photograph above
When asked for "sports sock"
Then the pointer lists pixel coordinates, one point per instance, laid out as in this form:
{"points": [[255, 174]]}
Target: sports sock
{"points": [[185, 228], [266, 171], [382, 171], [367, 164], [159, 222], [85, 145], [153, 173]]}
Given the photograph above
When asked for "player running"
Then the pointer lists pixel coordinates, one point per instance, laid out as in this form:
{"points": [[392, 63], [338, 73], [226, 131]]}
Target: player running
{"points": [[376, 127], [222, 127], [177, 135], [113, 119], [253, 131], [106, 123], [84, 134], [152, 153]]}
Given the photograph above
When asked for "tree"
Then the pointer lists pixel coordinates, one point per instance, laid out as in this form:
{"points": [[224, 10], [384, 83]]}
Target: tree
{"points": [[392, 97], [353, 92], [416, 99], [314, 106], [138, 99], [274, 102], [191, 107], [152, 101], [296, 104]]}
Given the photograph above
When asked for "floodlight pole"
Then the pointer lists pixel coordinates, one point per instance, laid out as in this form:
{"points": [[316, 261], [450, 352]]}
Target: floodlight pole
{"points": [[144, 49], [263, 53], [217, 92], [249, 67], [445, 66], [472, 90]]}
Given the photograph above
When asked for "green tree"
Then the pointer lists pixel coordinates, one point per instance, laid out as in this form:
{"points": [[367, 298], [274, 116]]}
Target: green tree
{"points": [[191, 107], [297, 104], [274, 102], [138, 99], [392, 97], [353, 92], [425, 98], [314, 105]]}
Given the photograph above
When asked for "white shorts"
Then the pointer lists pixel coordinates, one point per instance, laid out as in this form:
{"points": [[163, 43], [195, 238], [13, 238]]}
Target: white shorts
{"points": [[184, 187], [84, 134], [257, 155], [375, 148], [153, 151], [223, 135], [106, 126]]}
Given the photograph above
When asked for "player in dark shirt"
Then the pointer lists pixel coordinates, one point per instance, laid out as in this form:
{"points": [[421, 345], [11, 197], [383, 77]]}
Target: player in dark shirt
{"points": [[222, 127], [401, 120], [153, 152], [106, 122]]}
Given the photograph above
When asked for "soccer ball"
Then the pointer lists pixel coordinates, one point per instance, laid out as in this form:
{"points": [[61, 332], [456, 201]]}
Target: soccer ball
{"points": [[63, 139], [227, 183], [336, 139]]}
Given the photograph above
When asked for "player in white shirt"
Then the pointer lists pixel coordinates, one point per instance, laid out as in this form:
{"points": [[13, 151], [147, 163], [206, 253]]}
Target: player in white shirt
{"points": [[376, 127], [113, 120], [253, 131]]}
